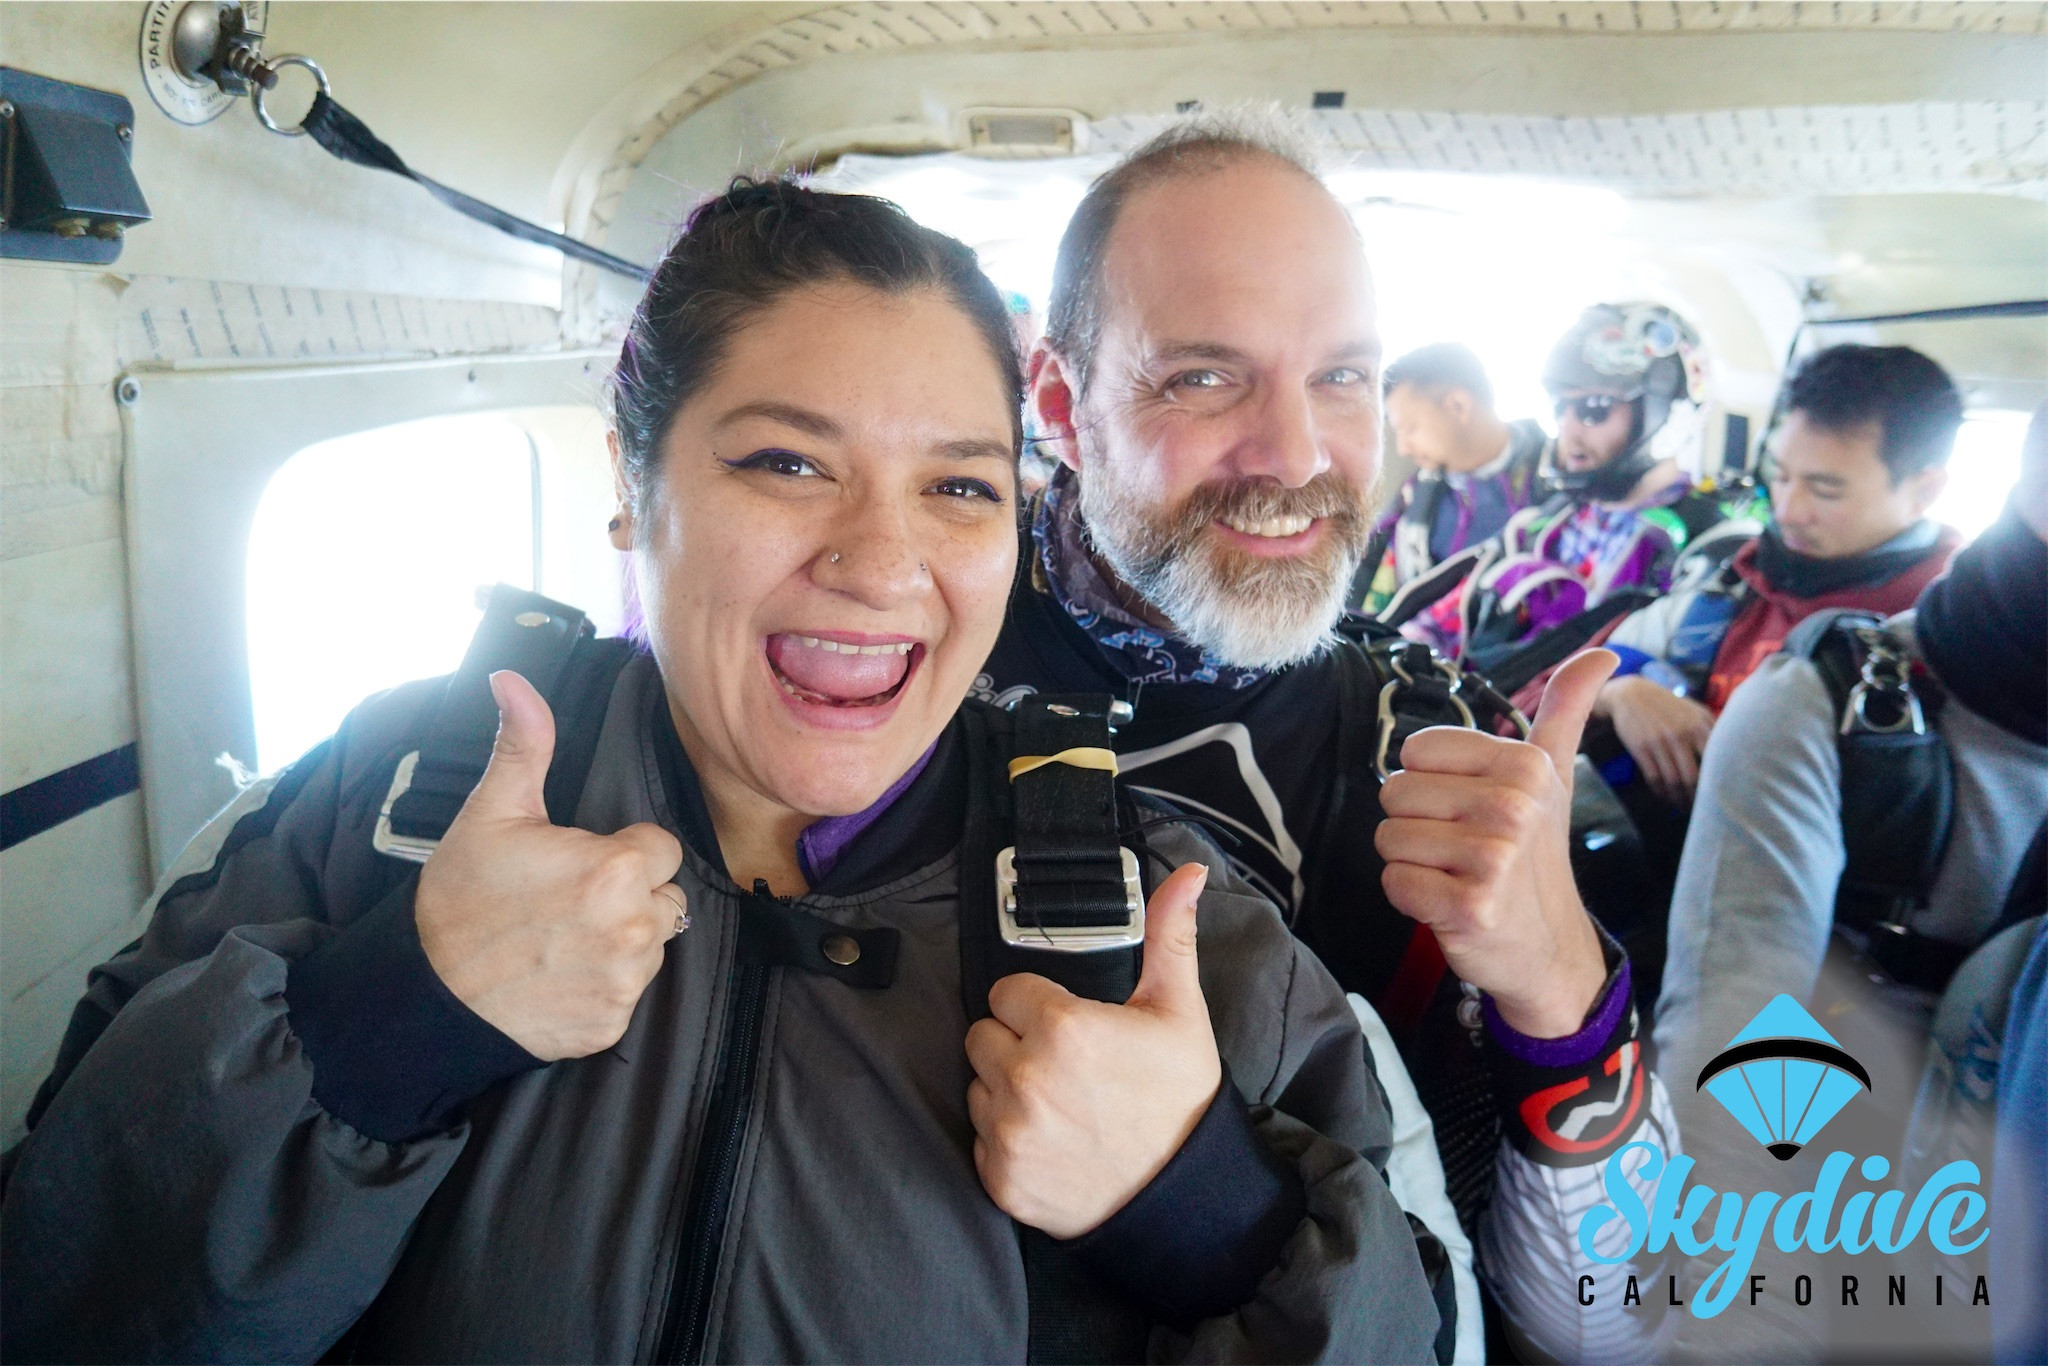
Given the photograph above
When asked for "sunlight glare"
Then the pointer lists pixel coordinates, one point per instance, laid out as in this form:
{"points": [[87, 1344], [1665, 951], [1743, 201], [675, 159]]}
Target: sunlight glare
{"points": [[364, 562]]}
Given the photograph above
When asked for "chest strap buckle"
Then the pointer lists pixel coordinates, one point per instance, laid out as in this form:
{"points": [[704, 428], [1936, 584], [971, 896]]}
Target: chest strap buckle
{"points": [[411, 848], [1069, 938]]}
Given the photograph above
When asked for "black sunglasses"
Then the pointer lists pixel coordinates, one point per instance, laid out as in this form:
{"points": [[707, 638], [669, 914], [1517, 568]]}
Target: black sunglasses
{"points": [[1592, 409]]}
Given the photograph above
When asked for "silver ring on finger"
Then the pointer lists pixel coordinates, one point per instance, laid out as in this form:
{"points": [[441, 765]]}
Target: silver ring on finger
{"points": [[682, 915]]}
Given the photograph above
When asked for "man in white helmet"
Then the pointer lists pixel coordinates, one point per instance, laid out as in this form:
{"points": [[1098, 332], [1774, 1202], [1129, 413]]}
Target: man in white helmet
{"points": [[1628, 381]]}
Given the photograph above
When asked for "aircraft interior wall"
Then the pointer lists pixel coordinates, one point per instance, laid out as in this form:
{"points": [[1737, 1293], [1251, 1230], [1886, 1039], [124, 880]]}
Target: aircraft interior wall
{"points": [[266, 258]]}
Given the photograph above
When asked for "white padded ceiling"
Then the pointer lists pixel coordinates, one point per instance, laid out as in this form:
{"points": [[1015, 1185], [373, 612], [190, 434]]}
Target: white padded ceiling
{"points": [[1737, 133], [1929, 147], [891, 25]]}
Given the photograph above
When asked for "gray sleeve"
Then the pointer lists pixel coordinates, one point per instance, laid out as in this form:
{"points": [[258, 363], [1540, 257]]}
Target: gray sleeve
{"points": [[181, 1195], [1750, 920], [1756, 885], [1349, 1285], [184, 1199], [1415, 1173]]}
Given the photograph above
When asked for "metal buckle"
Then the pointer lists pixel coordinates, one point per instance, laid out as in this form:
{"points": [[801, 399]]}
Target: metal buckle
{"points": [[1887, 673], [1069, 938], [408, 847], [1403, 678], [1857, 721]]}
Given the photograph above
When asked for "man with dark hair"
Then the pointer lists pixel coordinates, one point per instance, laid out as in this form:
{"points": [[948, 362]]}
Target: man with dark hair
{"points": [[1209, 385], [1473, 471], [1860, 457]]}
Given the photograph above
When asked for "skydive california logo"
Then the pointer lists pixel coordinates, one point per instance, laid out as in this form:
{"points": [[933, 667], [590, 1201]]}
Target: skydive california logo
{"points": [[1782, 1078]]}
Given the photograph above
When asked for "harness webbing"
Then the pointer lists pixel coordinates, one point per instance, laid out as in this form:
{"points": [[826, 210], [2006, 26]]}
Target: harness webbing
{"points": [[1063, 822], [1898, 787], [530, 635], [349, 138]]}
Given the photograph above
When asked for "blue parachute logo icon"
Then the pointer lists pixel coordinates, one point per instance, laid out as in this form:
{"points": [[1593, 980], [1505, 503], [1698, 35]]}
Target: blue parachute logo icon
{"points": [[1783, 1077]]}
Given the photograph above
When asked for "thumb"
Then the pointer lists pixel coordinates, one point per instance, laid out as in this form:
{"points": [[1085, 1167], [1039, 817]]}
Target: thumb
{"points": [[1567, 701], [512, 782], [1171, 979]]}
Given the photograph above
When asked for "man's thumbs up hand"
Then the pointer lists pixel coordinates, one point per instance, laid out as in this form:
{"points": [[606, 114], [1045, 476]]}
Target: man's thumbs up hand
{"points": [[1477, 844], [1077, 1104], [549, 933]]}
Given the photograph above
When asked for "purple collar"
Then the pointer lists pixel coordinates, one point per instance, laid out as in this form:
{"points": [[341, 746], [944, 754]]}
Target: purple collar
{"points": [[819, 847]]}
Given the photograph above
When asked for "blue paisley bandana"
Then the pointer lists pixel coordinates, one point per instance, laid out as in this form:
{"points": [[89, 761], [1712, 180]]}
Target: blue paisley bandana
{"points": [[1141, 653]]}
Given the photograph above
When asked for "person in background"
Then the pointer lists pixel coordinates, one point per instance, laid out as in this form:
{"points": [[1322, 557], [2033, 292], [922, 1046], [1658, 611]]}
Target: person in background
{"points": [[1756, 900], [1862, 454], [2019, 1172], [1628, 381], [1473, 470], [1026, 322]]}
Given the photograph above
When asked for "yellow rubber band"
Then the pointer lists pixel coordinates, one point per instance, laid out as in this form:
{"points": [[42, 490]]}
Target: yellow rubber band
{"points": [[1082, 756]]}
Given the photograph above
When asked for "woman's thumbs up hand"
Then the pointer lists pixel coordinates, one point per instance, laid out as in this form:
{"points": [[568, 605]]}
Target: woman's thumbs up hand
{"points": [[549, 933], [1078, 1104], [1477, 843]]}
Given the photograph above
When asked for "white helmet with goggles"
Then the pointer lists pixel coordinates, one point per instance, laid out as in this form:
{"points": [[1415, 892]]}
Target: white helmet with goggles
{"points": [[1641, 353]]}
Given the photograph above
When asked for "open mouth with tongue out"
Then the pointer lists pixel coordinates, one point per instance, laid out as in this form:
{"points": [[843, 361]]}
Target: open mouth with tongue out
{"points": [[842, 678]]}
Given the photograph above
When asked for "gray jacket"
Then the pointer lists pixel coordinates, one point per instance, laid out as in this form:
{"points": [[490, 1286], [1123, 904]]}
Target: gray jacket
{"points": [[185, 1196], [1751, 919]]}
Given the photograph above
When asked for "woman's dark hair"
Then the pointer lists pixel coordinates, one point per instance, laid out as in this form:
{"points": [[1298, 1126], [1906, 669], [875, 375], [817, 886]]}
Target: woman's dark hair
{"points": [[741, 252]]}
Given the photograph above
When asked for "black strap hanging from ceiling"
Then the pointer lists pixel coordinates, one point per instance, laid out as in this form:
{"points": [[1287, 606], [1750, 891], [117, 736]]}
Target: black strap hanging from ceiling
{"points": [[349, 138]]}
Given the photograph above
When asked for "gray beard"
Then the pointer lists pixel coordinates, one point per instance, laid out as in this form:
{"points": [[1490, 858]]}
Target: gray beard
{"points": [[1250, 613]]}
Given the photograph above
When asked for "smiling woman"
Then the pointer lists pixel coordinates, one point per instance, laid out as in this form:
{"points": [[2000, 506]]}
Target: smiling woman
{"points": [[782, 486], [817, 424]]}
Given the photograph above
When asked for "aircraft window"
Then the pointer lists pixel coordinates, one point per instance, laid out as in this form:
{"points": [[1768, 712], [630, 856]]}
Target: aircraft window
{"points": [[1985, 466], [367, 552]]}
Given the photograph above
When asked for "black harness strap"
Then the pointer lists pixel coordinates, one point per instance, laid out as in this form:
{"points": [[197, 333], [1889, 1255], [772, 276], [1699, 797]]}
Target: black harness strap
{"points": [[349, 138], [1360, 679], [1898, 787], [534, 637], [1518, 668], [1063, 822], [1898, 791], [1070, 866], [1369, 567], [1422, 591]]}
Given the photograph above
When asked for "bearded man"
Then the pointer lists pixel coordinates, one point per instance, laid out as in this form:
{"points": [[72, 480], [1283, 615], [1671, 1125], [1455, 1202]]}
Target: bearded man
{"points": [[1209, 387]]}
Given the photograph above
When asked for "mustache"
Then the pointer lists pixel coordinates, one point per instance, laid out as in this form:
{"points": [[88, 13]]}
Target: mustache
{"points": [[1327, 497]]}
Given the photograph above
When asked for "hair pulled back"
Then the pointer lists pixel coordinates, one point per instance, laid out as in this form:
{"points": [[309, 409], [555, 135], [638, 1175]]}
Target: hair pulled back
{"points": [[740, 253]]}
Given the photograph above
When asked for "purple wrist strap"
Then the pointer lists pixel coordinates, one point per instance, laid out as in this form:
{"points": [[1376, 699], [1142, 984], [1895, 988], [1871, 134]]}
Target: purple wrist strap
{"points": [[1573, 1050]]}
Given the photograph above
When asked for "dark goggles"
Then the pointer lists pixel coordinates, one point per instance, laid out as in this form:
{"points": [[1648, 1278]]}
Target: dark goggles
{"points": [[1591, 409]]}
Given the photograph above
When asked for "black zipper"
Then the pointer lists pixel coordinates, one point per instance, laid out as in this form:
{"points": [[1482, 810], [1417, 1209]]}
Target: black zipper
{"points": [[687, 1314]]}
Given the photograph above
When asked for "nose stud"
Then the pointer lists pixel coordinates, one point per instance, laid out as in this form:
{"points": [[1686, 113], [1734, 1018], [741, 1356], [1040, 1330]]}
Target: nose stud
{"points": [[922, 567]]}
